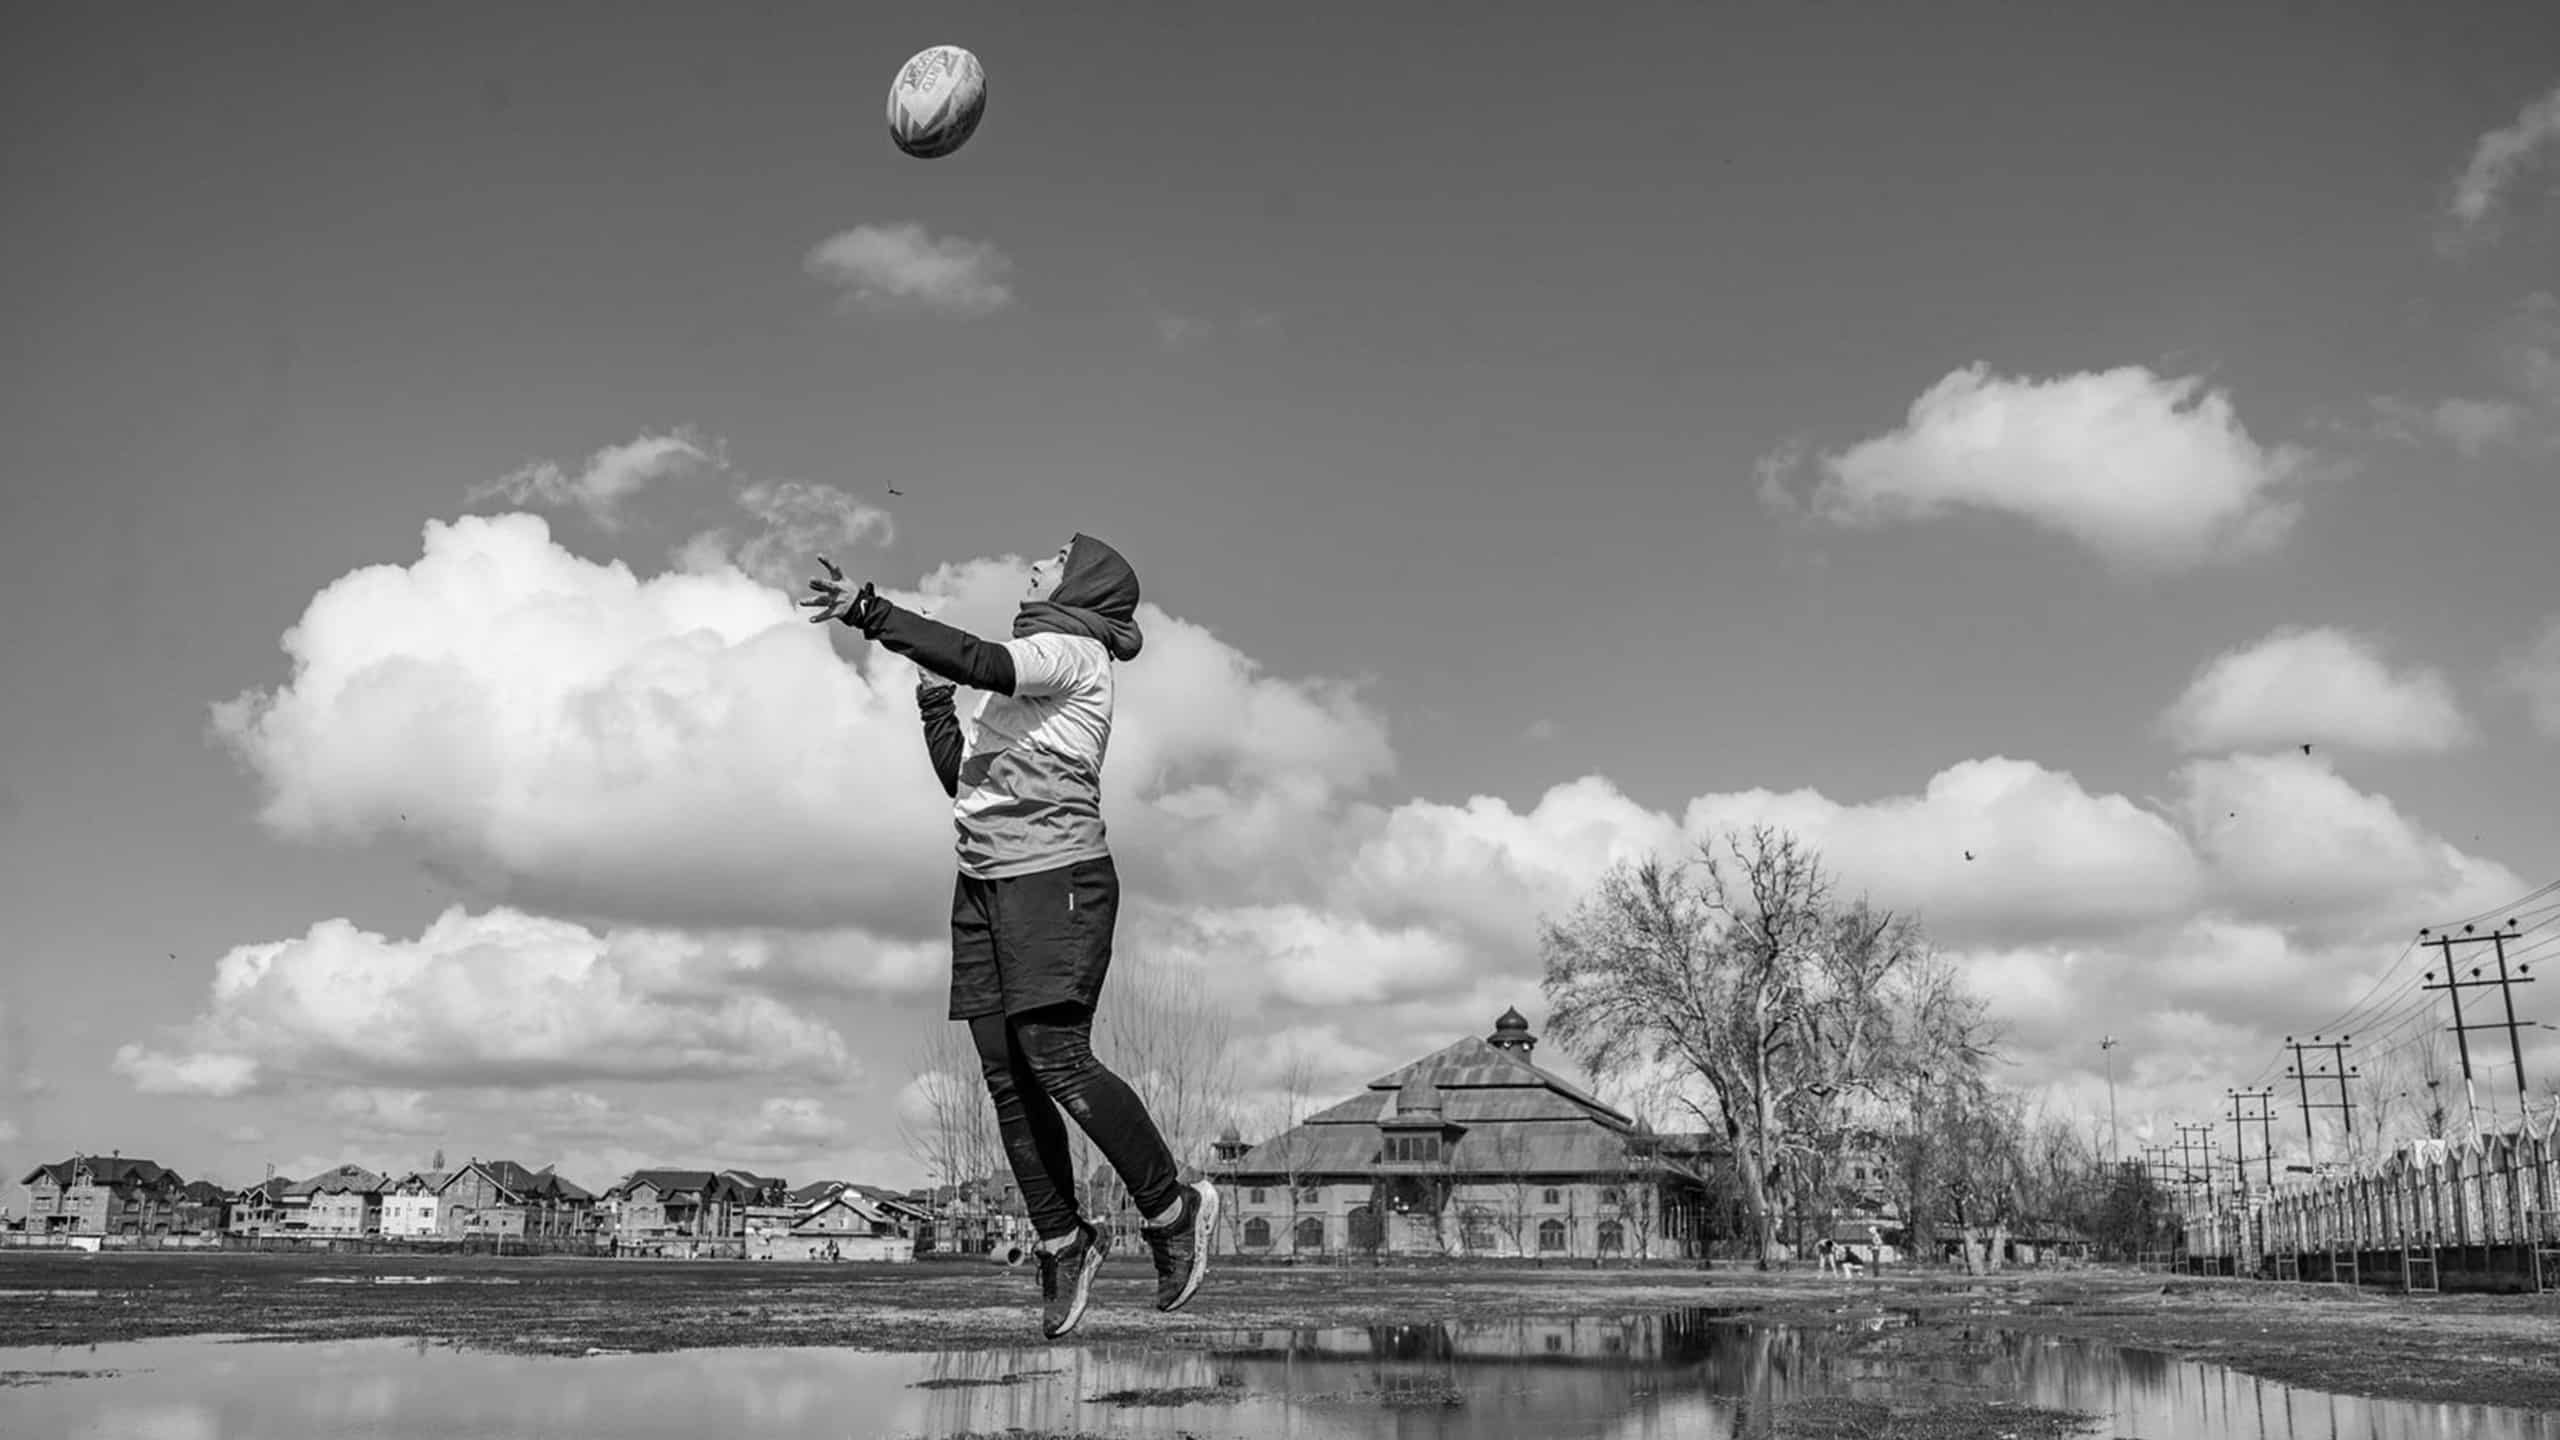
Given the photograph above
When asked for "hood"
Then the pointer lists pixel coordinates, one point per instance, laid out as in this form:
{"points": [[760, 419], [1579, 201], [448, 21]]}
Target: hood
{"points": [[1097, 596]]}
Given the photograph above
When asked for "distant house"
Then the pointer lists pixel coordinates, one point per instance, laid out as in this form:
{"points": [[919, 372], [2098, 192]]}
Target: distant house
{"points": [[840, 1225], [344, 1203], [975, 1216], [913, 1218], [410, 1204], [259, 1209], [103, 1195], [1473, 1149], [656, 1209], [501, 1197], [204, 1208]]}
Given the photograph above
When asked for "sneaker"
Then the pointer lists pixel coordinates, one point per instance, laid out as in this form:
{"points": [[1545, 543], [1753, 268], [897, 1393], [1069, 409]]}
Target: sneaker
{"points": [[1182, 1248], [1066, 1279]]}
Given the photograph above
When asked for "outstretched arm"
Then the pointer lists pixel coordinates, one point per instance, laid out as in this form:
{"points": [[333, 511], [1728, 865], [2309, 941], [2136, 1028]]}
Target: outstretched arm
{"points": [[941, 734], [954, 654]]}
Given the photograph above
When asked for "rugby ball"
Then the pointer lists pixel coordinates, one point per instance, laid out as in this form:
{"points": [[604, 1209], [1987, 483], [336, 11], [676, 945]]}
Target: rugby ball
{"points": [[936, 102]]}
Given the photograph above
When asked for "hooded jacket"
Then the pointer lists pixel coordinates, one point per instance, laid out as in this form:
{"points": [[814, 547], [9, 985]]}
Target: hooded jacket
{"points": [[1027, 796]]}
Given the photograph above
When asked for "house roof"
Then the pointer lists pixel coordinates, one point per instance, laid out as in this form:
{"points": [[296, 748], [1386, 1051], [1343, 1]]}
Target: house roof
{"points": [[112, 1169], [844, 1199], [1503, 1115], [432, 1181], [344, 1179], [878, 1196], [519, 1183], [686, 1182]]}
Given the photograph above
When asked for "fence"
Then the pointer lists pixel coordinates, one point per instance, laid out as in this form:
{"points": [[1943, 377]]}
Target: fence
{"points": [[2498, 1195]]}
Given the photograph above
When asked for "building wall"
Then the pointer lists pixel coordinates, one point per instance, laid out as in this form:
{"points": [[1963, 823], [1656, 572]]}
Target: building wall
{"points": [[344, 1212], [1562, 1219], [411, 1215], [785, 1245]]}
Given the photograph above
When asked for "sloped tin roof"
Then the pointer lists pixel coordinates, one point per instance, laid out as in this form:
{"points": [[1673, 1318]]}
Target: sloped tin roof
{"points": [[1513, 1118]]}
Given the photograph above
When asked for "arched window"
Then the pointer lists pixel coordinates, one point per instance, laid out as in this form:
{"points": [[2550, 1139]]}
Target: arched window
{"points": [[1257, 1233], [1550, 1234], [1311, 1232], [1612, 1235]]}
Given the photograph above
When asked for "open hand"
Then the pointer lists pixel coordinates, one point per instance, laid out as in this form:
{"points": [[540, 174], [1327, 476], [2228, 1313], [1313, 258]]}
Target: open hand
{"points": [[833, 602]]}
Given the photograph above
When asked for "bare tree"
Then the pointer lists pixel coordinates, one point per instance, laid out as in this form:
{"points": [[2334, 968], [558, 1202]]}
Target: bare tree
{"points": [[1290, 1152], [1752, 984], [952, 1131], [1160, 1029]]}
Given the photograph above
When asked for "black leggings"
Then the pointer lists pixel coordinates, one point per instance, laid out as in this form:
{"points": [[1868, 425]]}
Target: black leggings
{"points": [[1040, 1060]]}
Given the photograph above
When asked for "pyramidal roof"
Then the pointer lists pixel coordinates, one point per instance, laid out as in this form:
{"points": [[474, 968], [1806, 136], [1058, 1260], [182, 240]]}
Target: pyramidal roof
{"points": [[1501, 1111], [1476, 1064]]}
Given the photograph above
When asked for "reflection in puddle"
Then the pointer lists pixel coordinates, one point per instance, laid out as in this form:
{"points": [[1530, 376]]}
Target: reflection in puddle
{"points": [[1685, 1374]]}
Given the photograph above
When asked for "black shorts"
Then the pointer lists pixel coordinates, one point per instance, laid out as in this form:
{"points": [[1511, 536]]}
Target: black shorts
{"points": [[1033, 940]]}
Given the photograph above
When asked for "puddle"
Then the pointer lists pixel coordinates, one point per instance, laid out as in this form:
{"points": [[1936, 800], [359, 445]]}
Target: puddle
{"points": [[1665, 1377]]}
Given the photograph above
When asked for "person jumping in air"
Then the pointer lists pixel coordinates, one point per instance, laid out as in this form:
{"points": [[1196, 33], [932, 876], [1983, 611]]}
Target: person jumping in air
{"points": [[1036, 899]]}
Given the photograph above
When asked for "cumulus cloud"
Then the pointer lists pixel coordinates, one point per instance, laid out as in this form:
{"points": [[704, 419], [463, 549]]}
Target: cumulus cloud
{"points": [[2321, 685], [736, 806], [797, 521], [2289, 841], [2534, 673], [2151, 473], [1989, 850], [502, 997], [902, 266], [2501, 162], [686, 749], [611, 476]]}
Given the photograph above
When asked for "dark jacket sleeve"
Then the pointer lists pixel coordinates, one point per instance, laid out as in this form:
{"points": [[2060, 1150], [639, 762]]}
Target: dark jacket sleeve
{"points": [[955, 655], [941, 735]]}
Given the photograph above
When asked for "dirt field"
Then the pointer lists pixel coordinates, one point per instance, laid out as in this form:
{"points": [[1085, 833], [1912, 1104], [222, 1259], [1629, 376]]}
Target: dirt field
{"points": [[2502, 1350]]}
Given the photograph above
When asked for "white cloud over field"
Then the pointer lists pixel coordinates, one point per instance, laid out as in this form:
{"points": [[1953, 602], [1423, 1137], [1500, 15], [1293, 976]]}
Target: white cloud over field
{"points": [[904, 266], [611, 477], [2151, 473], [2316, 685], [732, 809]]}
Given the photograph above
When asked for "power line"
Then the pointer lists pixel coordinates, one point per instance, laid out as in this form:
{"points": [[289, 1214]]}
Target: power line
{"points": [[2505, 982]]}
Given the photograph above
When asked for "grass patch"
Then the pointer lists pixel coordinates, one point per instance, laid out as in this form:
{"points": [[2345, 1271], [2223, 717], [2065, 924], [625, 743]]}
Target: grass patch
{"points": [[973, 1382], [10, 1378], [1227, 1391]]}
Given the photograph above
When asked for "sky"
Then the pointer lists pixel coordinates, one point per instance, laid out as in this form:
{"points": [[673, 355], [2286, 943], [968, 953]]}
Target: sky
{"points": [[1543, 442]]}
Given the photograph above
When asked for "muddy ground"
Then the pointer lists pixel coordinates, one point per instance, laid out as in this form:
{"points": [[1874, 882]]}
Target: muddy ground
{"points": [[2488, 1349]]}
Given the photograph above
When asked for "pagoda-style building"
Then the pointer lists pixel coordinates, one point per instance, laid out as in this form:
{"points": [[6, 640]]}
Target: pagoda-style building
{"points": [[1473, 1150]]}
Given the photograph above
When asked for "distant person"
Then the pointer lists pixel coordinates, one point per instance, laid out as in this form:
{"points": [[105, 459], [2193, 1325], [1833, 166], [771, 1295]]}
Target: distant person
{"points": [[1036, 901]]}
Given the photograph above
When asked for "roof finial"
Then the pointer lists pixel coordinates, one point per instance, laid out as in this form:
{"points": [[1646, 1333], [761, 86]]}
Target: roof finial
{"points": [[1511, 1032]]}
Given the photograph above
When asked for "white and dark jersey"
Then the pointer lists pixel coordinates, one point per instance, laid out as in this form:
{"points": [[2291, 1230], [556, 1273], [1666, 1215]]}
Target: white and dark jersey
{"points": [[1030, 792]]}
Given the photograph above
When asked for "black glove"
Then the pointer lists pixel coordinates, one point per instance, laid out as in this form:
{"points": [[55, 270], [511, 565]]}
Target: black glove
{"points": [[863, 609]]}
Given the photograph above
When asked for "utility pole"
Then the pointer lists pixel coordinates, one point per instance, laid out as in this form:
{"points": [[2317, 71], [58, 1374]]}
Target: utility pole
{"points": [[2265, 1120], [2301, 1077], [2189, 1146], [2453, 987], [2115, 1137]]}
